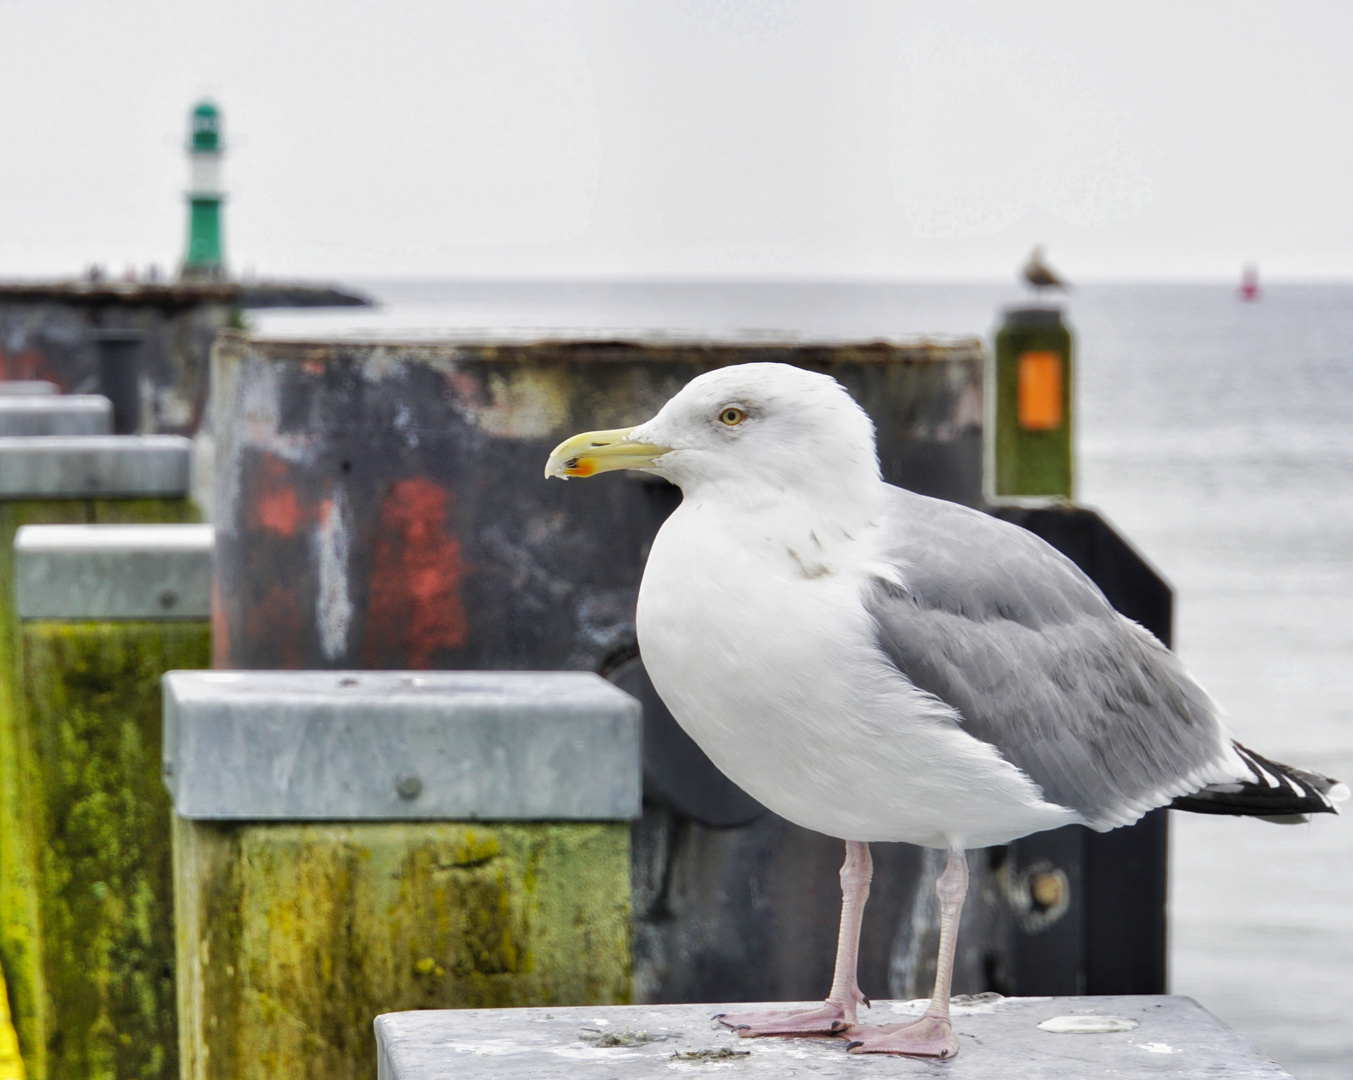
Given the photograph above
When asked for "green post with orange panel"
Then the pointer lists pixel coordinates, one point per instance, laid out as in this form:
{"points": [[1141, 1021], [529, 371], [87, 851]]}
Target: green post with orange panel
{"points": [[1032, 425]]}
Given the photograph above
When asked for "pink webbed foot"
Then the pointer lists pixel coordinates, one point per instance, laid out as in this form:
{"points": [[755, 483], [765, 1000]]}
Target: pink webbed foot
{"points": [[930, 1036], [829, 1019]]}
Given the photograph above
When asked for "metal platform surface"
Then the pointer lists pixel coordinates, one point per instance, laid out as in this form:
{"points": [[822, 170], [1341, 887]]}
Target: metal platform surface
{"points": [[1000, 1038]]}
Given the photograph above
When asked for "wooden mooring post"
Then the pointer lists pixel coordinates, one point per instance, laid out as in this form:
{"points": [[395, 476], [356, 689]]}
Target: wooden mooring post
{"points": [[53, 796], [348, 843]]}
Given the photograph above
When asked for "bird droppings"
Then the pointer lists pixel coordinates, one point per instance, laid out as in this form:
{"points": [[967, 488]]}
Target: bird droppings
{"points": [[1088, 1024], [723, 1053], [621, 1038], [960, 1004], [1158, 1048]]}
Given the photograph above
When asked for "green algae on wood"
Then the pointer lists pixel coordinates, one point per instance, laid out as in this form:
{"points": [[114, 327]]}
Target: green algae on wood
{"points": [[91, 693], [292, 937], [20, 846], [11, 1062]]}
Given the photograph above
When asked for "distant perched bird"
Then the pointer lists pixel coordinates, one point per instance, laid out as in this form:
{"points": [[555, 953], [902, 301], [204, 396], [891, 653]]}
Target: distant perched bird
{"points": [[877, 665], [1040, 275]]}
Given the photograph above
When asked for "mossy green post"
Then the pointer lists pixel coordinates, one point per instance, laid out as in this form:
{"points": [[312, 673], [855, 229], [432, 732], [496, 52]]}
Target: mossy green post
{"points": [[1033, 405], [292, 937], [57, 816], [11, 1062]]}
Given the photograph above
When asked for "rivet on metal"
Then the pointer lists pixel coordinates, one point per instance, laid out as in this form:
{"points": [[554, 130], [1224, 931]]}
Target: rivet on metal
{"points": [[409, 785]]}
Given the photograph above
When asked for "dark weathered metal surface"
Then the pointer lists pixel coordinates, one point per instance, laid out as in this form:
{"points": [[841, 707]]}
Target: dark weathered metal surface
{"points": [[383, 505], [145, 344], [1112, 937], [161, 385]]}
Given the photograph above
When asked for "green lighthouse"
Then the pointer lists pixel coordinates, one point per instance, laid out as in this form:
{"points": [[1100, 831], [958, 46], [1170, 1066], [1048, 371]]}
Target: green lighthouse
{"points": [[203, 258]]}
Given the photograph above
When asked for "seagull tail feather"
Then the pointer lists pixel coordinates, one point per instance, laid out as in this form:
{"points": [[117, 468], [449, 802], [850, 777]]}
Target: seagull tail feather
{"points": [[1279, 793]]}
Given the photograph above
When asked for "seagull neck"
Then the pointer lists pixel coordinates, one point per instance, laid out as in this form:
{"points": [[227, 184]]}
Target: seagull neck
{"points": [[836, 511]]}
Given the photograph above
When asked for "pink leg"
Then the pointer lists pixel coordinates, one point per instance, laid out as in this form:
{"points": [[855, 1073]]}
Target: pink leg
{"points": [[838, 1011], [932, 1035]]}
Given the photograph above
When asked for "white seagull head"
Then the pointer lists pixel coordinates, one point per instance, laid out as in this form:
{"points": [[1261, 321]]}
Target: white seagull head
{"points": [[770, 426]]}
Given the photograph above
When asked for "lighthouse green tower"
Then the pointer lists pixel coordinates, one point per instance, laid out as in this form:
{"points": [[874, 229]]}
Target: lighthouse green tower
{"points": [[204, 258]]}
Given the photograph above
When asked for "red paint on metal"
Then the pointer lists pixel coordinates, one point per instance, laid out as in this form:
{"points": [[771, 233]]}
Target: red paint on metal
{"points": [[220, 640], [415, 602], [276, 508], [276, 619], [26, 364]]}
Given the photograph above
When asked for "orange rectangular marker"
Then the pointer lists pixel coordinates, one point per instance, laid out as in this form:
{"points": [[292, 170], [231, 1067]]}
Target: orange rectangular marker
{"points": [[1040, 391]]}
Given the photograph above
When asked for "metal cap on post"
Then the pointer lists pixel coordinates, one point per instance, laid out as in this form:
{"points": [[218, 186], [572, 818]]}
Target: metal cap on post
{"points": [[94, 466], [113, 572], [53, 414], [373, 746], [27, 388], [1031, 437]]}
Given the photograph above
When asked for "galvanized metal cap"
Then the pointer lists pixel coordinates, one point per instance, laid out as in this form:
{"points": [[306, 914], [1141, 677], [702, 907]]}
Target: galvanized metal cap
{"points": [[49, 414], [94, 466], [27, 387], [382, 745], [113, 571]]}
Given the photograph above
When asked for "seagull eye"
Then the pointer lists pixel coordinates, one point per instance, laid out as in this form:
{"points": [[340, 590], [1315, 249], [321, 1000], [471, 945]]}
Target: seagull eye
{"points": [[732, 416]]}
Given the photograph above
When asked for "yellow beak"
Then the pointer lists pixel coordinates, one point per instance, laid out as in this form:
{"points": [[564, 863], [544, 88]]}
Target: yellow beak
{"points": [[595, 452]]}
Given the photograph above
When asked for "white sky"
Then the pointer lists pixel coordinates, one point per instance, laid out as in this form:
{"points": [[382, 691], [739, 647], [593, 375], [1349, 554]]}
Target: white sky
{"points": [[539, 137]]}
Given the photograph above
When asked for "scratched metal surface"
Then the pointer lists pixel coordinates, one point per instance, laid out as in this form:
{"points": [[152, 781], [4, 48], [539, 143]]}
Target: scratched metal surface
{"points": [[1175, 1038]]}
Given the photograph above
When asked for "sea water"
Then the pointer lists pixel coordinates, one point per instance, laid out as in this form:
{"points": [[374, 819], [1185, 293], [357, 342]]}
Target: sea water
{"points": [[1217, 435]]}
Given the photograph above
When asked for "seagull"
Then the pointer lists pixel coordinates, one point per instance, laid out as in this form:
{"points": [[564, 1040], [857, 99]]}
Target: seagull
{"points": [[1039, 274], [877, 665]]}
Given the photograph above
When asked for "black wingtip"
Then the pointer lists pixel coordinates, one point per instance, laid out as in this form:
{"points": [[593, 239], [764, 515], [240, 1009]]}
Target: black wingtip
{"points": [[1280, 793]]}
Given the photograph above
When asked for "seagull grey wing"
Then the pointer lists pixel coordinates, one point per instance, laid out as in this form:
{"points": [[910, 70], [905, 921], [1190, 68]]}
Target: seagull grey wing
{"points": [[1012, 635]]}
